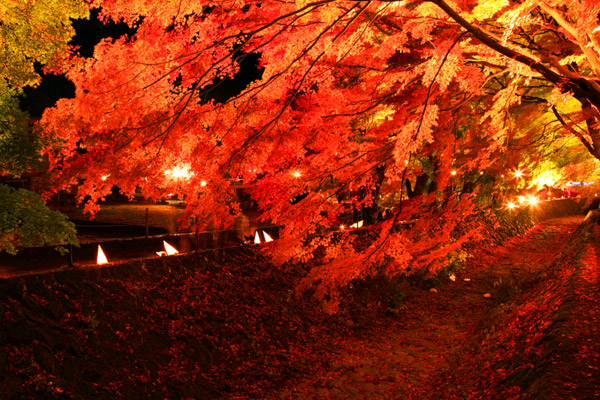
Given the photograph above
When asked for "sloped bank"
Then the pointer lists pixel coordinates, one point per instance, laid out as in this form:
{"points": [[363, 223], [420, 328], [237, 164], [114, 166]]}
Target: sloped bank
{"points": [[194, 326], [541, 339], [569, 348]]}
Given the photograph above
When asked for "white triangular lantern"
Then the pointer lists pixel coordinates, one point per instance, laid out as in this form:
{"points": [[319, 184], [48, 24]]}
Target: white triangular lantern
{"points": [[268, 238], [101, 259], [170, 250]]}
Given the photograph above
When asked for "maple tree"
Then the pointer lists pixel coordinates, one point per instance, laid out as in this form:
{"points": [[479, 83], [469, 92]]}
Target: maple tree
{"points": [[359, 105], [32, 33]]}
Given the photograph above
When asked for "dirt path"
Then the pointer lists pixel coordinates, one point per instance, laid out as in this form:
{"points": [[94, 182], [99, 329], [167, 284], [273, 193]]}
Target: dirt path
{"points": [[463, 340]]}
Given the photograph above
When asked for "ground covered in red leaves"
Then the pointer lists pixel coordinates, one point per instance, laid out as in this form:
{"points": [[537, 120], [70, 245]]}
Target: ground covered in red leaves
{"points": [[517, 321]]}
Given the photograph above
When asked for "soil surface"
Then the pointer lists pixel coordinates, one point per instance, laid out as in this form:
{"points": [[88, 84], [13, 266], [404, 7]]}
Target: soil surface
{"points": [[518, 321]]}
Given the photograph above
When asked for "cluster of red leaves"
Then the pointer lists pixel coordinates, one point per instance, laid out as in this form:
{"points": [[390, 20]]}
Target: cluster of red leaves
{"points": [[355, 100]]}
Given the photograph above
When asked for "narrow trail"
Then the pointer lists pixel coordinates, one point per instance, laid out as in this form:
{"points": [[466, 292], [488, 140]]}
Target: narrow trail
{"points": [[451, 343]]}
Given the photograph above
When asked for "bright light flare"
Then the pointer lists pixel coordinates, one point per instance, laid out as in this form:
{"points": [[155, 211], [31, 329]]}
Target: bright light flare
{"points": [[101, 259], [297, 174], [518, 173], [521, 199], [510, 205], [547, 178], [533, 201], [179, 172], [453, 173], [170, 250]]}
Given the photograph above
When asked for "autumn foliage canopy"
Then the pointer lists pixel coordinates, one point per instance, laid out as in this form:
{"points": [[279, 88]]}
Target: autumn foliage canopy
{"points": [[356, 106]]}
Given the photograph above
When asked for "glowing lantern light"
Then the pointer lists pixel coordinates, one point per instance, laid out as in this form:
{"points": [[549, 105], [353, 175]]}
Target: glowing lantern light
{"points": [[521, 199], [202, 183], [510, 205], [342, 227], [547, 178], [532, 200], [268, 237], [518, 173], [453, 173], [101, 259], [104, 177], [170, 249], [179, 172], [297, 174]]}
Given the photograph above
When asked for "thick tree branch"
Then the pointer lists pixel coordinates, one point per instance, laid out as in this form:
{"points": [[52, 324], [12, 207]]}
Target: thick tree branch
{"points": [[581, 39], [580, 87], [579, 136]]}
